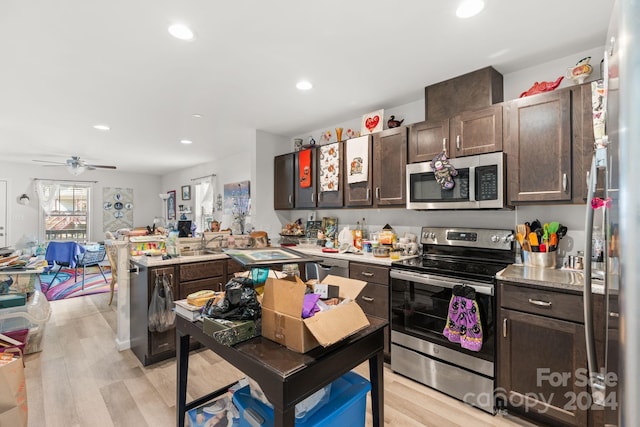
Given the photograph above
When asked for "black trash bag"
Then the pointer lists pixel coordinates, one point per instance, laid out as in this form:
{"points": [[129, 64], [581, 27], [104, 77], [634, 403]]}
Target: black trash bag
{"points": [[240, 302]]}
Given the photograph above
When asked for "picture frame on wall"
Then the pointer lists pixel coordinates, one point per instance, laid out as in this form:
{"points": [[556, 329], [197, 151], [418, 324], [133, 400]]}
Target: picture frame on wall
{"points": [[171, 205], [186, 192]]}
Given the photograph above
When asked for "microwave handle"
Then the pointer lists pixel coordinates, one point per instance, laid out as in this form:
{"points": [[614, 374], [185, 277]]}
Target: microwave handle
{"points": [[472, 184]]}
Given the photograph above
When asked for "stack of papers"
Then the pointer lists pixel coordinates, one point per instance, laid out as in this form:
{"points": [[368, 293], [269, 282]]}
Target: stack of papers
{"points": [[186, 310]]}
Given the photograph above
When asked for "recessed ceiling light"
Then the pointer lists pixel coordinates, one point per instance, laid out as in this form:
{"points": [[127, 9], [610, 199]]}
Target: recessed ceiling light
{"points": [[469, 8], [181, 32], [185, 141], [304, 85], [197, 116], [101, 127]]}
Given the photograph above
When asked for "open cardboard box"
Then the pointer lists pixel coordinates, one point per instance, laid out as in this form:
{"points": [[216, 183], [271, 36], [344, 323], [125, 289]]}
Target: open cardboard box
{"points": [[282, 314]]}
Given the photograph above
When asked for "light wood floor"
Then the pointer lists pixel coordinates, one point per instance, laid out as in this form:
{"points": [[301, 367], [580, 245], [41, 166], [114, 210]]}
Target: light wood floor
{"points": [[80, 379]]}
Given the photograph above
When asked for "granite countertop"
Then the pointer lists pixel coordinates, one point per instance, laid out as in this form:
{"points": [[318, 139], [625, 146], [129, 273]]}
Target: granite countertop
{"points": [[561, 279], [362, 257]]}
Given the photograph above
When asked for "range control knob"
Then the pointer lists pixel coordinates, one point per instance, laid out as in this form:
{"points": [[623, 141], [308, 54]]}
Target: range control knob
{"points": [[432, 235], [495, 238], [508, 238]]}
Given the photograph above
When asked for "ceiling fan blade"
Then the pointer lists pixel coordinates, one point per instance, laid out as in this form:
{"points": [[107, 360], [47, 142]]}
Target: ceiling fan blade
{"points": [[100, 166], [49, 161]]}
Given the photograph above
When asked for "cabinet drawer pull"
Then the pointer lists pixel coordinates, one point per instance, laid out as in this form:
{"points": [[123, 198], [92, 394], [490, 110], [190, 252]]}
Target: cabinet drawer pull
{"points": [[504, 327], [614, 314], [367, 299], [564, 182], [540, 303], [457, 142], [367, 274]]}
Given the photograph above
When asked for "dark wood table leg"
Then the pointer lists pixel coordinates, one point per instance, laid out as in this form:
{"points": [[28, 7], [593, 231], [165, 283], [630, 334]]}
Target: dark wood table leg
{"points": [[376, 366], [284, 418], [182, 360]]}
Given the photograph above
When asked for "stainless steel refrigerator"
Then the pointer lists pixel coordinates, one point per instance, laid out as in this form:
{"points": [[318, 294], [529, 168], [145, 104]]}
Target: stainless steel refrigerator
{"points": [[614, 362]]}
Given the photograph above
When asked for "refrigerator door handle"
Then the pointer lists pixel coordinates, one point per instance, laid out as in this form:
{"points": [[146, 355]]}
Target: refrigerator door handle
{"points": [[588, 300]]}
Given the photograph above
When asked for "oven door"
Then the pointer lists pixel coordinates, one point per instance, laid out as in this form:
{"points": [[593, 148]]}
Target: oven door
{"points": [[420, 304]]}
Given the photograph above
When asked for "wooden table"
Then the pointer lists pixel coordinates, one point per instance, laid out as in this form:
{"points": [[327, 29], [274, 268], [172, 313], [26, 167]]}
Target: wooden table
{"points": [[286, 377]]}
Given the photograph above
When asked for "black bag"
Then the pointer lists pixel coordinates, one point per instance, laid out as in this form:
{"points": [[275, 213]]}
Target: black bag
{"points": [[161, 314], [240, 302]]}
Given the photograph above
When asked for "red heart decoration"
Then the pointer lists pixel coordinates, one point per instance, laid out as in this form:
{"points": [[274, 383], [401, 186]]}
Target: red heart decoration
{"points": [[372, 122]]}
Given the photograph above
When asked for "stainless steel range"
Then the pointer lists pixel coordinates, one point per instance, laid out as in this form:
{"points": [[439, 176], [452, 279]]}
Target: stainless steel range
{"points": [[421, 290]]}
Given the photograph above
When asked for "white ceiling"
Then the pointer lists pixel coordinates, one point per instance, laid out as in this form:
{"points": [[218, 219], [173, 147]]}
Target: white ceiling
{"points": [[67, 65]]}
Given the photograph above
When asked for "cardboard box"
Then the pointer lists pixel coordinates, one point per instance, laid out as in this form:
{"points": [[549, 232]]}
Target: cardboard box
{"points": [[282, 314], [230, 332]]}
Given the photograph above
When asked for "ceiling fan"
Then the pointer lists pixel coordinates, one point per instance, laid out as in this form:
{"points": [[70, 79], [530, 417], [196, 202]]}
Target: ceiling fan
{"points": [[75, 165]]}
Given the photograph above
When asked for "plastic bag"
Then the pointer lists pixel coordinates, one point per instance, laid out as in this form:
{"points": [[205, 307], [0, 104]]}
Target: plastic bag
{"points": [[161, 314], [240, 302]]}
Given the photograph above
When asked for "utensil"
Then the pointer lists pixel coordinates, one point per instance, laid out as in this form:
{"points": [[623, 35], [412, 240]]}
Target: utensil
{"points": [[533, 239], [562, 231], [545, 233]]}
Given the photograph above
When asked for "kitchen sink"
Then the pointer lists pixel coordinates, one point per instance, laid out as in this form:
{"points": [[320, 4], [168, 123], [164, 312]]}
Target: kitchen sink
{"points": [[198, 252]]}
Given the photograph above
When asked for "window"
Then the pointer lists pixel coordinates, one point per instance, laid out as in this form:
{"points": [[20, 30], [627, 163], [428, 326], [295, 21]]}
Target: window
{"points": [[69, 215]]}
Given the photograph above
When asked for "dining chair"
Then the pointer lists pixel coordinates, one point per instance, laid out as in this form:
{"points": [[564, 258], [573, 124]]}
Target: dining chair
{"points": [[112, 256], [62, 254], [91, 258]]}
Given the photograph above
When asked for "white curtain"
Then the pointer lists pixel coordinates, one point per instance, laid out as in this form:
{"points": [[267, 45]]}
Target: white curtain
{"points": [[47, 192]]}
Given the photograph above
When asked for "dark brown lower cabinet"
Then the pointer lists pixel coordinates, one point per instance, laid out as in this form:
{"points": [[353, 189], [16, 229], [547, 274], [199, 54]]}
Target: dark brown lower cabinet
{"points": [[152, 347], [374, 298]]}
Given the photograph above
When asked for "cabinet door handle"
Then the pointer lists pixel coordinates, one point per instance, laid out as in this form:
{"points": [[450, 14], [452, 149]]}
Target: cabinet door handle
{"points": [[588, 173], [290, 199], [504, 327], [367, 299], [564, 182], [313, 197], [614, 314], [540, 303], [457, 142], [368, 193], [378, 193], [444, 144], [367, 274]]}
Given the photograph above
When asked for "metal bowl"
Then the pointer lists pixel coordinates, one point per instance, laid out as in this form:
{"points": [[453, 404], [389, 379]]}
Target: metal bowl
{"points": [[380, 252]]}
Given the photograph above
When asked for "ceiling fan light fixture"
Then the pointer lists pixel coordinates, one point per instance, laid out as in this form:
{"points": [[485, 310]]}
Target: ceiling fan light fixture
{"points": [[76, 169]]}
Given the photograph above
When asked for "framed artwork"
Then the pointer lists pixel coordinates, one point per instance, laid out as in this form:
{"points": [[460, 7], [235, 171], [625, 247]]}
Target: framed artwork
{"points": [[372, 122], [186, 192], [171, 205], [117, 208]]}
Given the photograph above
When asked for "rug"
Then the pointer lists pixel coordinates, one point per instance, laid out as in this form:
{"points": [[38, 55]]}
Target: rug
{"points": [[65, 285]]}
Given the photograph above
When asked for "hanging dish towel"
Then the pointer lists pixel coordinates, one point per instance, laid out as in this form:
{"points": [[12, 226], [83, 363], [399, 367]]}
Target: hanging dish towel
{"points": [[305, 168], [357, 159], [329, 167], [463, 320]]}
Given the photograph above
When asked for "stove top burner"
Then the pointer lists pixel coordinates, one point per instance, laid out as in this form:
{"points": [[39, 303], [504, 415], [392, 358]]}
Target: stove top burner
{"points": [[468, 253]]}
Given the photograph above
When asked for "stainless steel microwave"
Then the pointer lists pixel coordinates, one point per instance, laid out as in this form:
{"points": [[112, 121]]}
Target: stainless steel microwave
{"points": [[479, 184]]}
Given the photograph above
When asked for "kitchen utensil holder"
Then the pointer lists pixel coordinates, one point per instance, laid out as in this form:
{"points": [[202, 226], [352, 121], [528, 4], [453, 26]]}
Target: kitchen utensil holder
{"points": [[540, 259]]}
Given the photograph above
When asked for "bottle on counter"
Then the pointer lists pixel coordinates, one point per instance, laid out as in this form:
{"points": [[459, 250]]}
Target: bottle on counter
{"points": [[365, 232]]}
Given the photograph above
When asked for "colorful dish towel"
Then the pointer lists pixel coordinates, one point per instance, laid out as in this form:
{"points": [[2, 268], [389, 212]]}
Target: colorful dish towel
{"points": [[463, 320], [305, 168], [329, 167], [357, 160]]}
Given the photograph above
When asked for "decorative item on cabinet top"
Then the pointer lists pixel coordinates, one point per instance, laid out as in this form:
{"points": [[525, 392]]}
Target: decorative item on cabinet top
{"points": [[580, 71], [372, 122], [540, 87], [393, 123]]}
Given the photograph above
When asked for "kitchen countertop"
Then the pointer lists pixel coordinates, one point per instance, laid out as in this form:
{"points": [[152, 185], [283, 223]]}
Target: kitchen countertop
{"points": [[548, 277], [156, 261], [363, 257]]}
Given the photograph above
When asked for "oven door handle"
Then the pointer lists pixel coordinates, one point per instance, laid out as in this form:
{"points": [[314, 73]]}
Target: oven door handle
{"points": [[440, 281]]}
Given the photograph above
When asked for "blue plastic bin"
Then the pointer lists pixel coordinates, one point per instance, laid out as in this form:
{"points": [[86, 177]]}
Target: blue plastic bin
{"points": [[347, 406]]}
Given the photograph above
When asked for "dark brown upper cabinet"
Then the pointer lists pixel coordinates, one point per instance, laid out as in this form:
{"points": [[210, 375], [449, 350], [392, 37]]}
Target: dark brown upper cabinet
{"points": [[389, 164], [283, 192], [305, 197], [539, 142], [468, 133]]}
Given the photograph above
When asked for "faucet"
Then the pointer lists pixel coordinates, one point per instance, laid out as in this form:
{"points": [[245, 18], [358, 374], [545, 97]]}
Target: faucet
{"points": [[204, 243]]}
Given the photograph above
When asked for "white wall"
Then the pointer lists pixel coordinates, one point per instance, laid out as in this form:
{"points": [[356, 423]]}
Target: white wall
{"points": [[24, 220]]}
